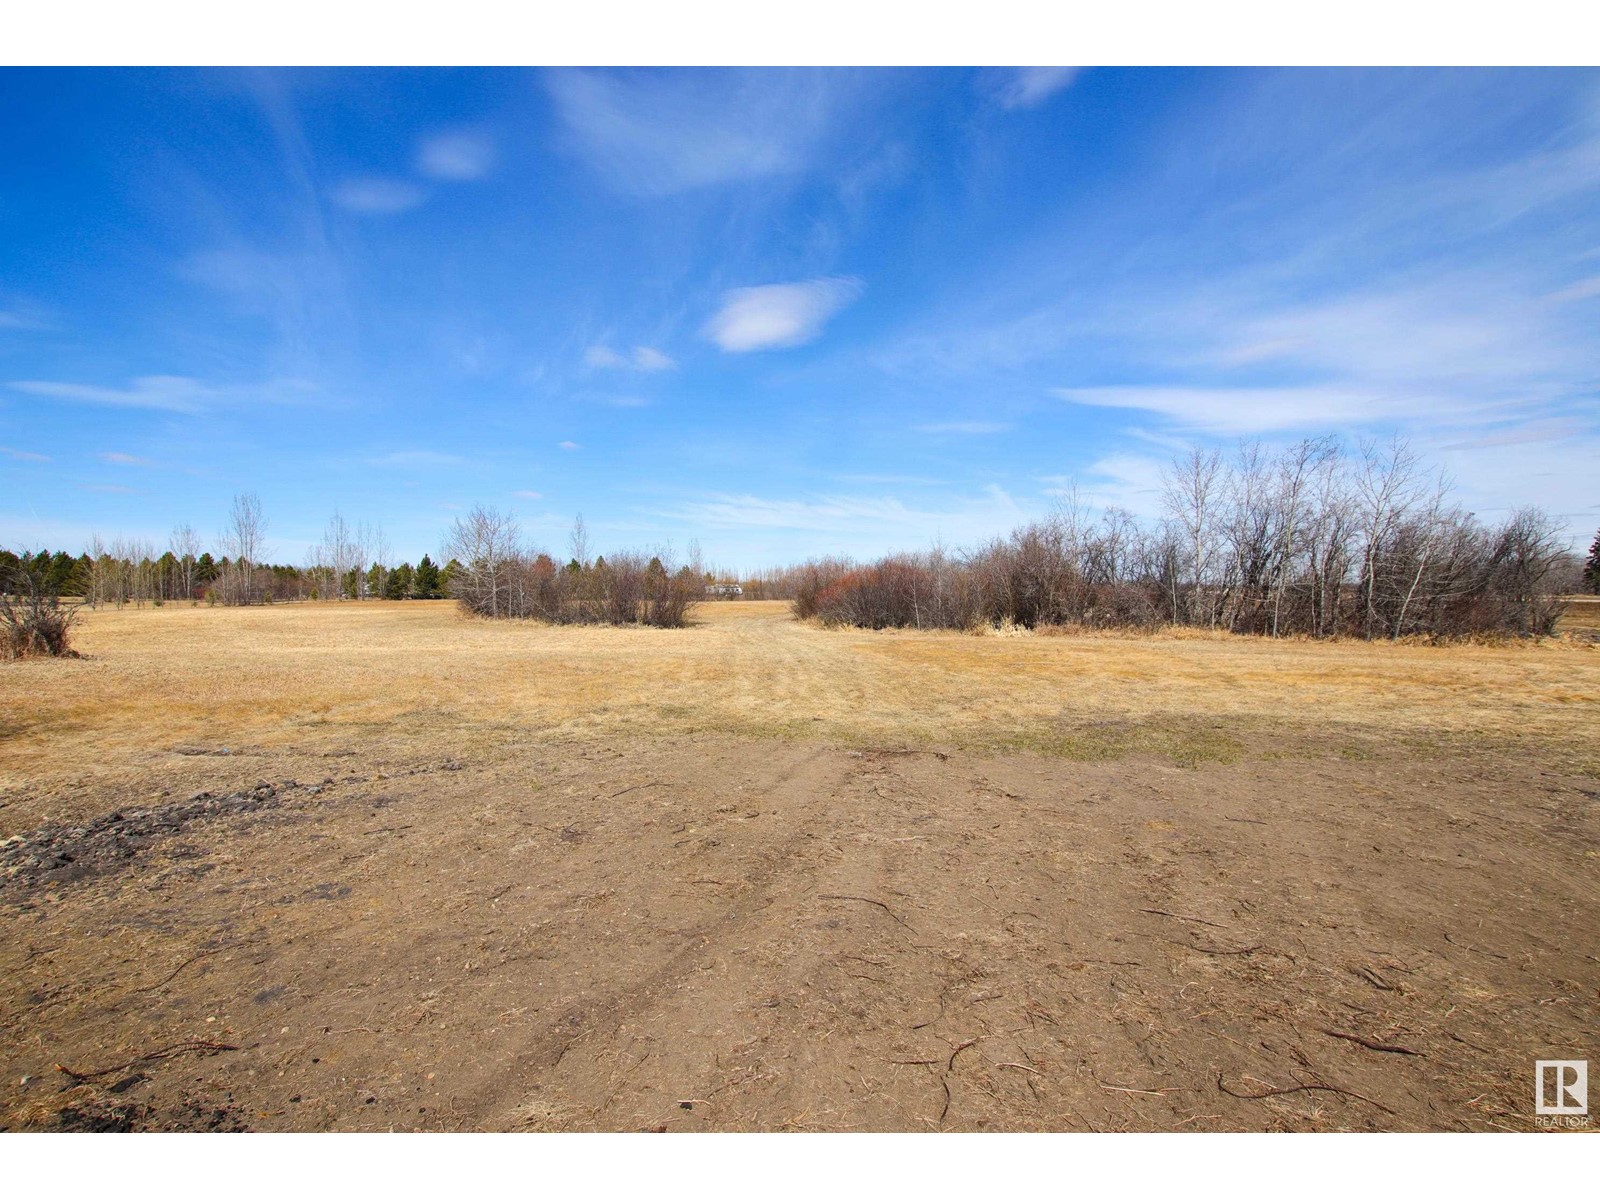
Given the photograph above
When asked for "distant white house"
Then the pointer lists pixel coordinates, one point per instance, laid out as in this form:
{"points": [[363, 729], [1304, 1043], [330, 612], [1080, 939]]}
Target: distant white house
{"points": [[724, 589]]}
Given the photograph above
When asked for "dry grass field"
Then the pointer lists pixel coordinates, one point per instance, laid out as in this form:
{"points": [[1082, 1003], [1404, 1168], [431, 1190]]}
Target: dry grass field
{"points": [[380, 866]]}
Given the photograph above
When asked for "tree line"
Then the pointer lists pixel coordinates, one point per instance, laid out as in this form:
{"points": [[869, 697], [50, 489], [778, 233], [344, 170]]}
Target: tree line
{"points": [[502, 577], [1317, 540], [134, 571]]}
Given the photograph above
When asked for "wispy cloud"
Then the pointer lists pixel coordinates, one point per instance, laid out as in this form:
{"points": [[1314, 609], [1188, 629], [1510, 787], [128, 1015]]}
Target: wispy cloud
{"points": [[112, 489], [170, 393], [377, 195], [459, 156], [568, 446], [1584, 289], [173, 393], [1118, 480], [24, 455], [416, 458], [1026, 87], [656, 132], [965, 427], [119, 459], [1230, 411], [855, 522], [527, 495], [641, 358], [778, 315]]}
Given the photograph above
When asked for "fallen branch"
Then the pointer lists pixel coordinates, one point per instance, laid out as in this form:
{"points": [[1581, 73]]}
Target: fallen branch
{"points": [[1475, 950], [1376, 980], [1245, 820], [863, 900], [1213, 949], [1161, 912], [634, 788], [174, 972], [1383, 1047], [172, 1051], [951, 1065], [1304, 1087]]}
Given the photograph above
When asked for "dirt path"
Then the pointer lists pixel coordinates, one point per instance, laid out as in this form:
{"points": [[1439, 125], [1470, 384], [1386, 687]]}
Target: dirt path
{"points": [[721, 932]]}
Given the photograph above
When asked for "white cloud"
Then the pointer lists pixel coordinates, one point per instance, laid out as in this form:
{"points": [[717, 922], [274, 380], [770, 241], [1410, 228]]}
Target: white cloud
{"points": [[118, 458], [604, 358], [416, 458], [377, 195], [648, 358], [856, 524], [1233, 411], [643, 358], [973, 427], [568, 446], [459, 156], [1119, 480], [779, 314], [24, 455], [527, 495], [174, 393], [1584, 289], [656, 132], [1025, 87], [113, 489]]}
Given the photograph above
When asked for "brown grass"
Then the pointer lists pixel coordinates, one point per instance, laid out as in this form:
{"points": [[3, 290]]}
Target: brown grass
{"points": [[415, 673]]}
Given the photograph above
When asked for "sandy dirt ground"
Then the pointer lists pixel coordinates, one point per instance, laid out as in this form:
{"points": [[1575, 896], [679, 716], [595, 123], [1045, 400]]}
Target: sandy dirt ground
{"points": [[377, 867]]}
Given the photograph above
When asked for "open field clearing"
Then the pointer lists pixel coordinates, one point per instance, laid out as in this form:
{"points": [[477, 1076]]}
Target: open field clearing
{"points": [[757, 875]]}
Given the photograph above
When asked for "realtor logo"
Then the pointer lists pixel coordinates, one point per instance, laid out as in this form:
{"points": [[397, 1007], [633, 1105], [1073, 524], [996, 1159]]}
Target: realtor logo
{"points": [[1561, 1088]]}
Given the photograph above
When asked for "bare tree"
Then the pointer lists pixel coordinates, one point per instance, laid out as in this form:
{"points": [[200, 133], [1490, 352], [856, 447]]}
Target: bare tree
{"points": [[338, 554], [578, 540], [244, 542], [1385, 491], [484, 543], [186, 549], [1189, 491]]}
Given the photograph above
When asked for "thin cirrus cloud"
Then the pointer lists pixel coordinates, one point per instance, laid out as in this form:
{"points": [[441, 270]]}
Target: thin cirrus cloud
{"points": [[1238, 410], [660, 132], [641, 358], [118, 459], [416, 458], [24, 455], [568, 446], [526, 494], [172, 393], [1027, 87], [778, 315], [456, 157], [967, 427], [376, 195], [169, 393]]}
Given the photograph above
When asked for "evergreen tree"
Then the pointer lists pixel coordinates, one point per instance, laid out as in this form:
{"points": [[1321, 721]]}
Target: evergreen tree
{"points": [[399, 583], [375, 581], [451, 570], [1591, 569], [205, 568], [425, 584], [62, 569]]}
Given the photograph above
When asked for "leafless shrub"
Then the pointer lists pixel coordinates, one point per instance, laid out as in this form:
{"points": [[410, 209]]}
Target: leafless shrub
{"points": [[33, 621], [502, 578], [1311, 541]]}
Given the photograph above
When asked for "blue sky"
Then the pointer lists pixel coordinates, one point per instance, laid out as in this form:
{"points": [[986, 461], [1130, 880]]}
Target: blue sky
{"points": [[784, 312]]}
